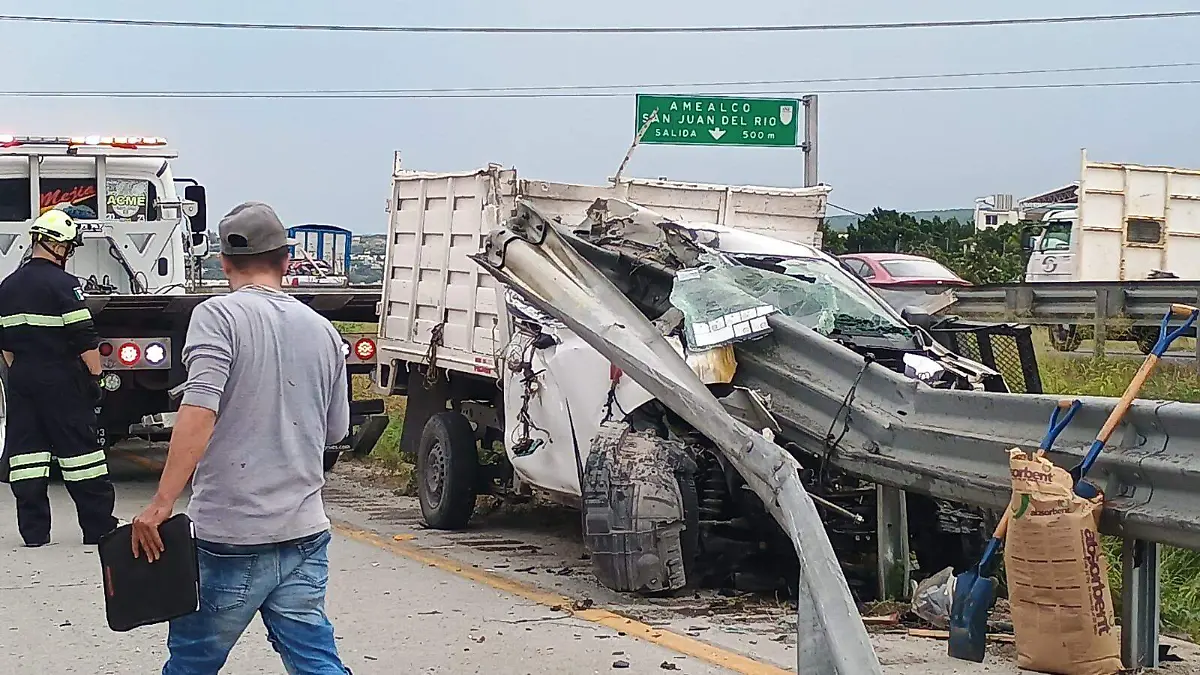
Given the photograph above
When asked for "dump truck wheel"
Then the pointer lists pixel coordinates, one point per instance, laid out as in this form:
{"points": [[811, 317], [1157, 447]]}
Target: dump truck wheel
{"points": [[1145, 337], [1064, 338], [447, 464]]}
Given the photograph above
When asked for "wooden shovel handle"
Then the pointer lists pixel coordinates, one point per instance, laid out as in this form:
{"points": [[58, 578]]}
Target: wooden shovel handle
{"points": [[1182, 310], [1131, 392]]}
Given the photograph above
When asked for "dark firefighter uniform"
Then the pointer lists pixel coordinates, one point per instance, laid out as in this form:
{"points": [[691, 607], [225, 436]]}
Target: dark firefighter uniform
{"points": [[51, 398]]}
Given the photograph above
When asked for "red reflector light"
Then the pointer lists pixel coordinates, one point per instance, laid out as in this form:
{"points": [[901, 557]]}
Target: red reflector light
{"points": [[106, 349], [129, 354], [364, 348]]}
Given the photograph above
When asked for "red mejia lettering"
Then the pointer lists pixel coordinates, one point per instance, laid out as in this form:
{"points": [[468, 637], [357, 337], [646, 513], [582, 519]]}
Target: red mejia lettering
{"points": [[1091, 554]]}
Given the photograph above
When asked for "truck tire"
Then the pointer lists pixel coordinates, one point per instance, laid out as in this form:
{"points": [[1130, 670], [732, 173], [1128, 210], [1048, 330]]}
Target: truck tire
{"points": [[447, 466], [1145, 337], [1064, 338]]}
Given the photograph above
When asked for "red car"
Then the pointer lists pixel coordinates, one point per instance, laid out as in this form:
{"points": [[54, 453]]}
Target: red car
{"points": [[900, 268]]}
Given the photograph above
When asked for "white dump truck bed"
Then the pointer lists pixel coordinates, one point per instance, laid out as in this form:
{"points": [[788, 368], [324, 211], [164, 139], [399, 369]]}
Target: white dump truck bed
{"points": [[437, 220], [1134, 220]]}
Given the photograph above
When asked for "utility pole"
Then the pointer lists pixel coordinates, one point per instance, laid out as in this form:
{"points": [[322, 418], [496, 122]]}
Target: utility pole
{"points": [[810, 140]]}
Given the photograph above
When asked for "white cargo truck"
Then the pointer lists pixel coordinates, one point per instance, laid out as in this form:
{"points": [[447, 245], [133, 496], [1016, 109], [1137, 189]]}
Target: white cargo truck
{"points": [[1129, 223], [481, 367], [144, 233]]}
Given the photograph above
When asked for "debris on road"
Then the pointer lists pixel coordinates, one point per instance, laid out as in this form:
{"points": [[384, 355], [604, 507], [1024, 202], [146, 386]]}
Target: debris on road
{"points": [[933, 634]]}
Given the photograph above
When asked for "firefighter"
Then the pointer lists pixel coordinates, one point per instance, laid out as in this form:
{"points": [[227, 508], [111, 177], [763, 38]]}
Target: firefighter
{"points": [[49, 344]]}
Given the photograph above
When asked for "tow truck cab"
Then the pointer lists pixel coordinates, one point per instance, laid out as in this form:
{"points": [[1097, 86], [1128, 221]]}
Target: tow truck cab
{"points": [[140, 233]]}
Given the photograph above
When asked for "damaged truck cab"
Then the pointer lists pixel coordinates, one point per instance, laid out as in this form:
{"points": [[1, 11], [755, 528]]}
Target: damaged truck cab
{"points": [[503, 398]]}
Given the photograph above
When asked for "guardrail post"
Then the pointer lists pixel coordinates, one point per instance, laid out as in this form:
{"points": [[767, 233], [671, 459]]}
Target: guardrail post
{"points": [[1139, 603], [891, 538], [1100, 325]]}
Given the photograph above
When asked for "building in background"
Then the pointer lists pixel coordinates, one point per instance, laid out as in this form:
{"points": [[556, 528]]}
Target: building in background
{"points": [[1036, 207], [998, 209], [994, 211]]}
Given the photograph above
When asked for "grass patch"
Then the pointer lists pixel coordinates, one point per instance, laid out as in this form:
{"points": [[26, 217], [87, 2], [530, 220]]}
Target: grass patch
{"points": [[345, 327], [1170, 381]]}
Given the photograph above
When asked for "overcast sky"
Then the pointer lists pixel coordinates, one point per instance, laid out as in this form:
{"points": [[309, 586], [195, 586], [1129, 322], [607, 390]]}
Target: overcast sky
{"points": [[329, 161]]}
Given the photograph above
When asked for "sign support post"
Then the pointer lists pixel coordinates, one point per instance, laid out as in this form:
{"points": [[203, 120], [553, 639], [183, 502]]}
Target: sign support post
{"points": [[810, 140]]}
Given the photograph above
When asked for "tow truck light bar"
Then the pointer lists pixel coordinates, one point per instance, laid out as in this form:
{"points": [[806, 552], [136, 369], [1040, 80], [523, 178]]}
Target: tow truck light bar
{"points": [[123, 142]]}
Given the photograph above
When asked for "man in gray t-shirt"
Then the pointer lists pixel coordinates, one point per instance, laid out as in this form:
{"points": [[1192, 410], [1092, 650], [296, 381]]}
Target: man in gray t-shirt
{"points": [[266, 392]]}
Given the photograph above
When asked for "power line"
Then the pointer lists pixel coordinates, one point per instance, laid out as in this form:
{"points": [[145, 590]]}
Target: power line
{"points": [[842, 208], [504, 93], [612, 88], [657, 30]]}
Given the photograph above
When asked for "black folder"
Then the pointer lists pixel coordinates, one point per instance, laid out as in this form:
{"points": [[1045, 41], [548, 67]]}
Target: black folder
{"points": [[140, 593]]}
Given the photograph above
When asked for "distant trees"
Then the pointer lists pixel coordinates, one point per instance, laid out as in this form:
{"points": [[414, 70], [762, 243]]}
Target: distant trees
{"points": [[991, 256]]}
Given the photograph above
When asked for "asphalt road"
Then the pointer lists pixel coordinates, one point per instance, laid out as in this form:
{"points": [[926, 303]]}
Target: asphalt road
{"points": [[511, 595]]}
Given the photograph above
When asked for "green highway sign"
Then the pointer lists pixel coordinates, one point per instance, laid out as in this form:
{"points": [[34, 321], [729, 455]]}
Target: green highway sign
{"points": [[719, 120]]}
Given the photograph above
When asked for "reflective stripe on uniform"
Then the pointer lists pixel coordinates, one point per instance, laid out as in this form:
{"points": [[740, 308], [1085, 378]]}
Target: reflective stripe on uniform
{"points": [[29, 458], [29, 474], [76, 316], [82, 460], [75, 475], [45, 320], [83, 467]]}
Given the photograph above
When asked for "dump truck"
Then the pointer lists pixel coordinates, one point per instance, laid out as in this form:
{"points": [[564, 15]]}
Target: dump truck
{"points": [[1129, 222]]}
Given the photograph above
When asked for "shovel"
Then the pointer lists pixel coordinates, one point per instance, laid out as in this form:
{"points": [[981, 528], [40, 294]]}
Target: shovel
{"points": [[1165, 338], [975, 589], [970, 624]]}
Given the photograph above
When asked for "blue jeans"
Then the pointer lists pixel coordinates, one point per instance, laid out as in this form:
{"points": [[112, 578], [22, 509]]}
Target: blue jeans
{"points": [[285, 582]]}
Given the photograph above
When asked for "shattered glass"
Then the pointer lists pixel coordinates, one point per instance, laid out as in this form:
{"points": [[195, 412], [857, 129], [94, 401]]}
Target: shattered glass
{"points": [[724, 302]]}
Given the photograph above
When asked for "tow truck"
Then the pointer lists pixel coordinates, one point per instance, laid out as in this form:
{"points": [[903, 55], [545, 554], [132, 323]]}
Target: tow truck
{"points": [[144, 232]]}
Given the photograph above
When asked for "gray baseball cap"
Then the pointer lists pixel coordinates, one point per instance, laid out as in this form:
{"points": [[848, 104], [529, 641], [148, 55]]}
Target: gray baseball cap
{"points": [[251, 228]]}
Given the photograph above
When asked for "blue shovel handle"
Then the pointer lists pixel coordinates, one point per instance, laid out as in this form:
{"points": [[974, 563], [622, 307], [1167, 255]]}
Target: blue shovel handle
{"points": [[1060, 417], [1056, 425], [1167, 336]]}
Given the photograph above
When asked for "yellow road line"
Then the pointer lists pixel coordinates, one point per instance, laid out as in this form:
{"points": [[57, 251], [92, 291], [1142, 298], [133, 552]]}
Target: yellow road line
{"points": [[402, 545], [673, 641]]}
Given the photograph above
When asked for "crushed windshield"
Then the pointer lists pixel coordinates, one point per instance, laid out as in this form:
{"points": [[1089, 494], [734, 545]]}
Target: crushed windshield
{"points": [[723, 302]]}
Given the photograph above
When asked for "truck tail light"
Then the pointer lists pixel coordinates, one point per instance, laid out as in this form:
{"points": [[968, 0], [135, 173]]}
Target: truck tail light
{"points": [[365, 349], [129, 354], [106, 349], [156, 353]]}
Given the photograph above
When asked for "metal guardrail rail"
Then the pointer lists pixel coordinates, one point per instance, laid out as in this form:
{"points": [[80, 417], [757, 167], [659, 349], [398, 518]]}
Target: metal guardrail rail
{"points": [[954, 444], [1108, 309]]}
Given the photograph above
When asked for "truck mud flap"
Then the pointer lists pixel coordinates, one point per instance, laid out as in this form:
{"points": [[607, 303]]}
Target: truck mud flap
{"points": [[369, 433], [633, 511]]}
